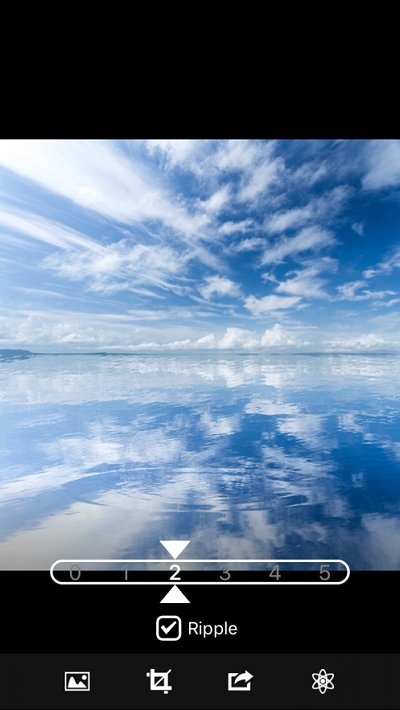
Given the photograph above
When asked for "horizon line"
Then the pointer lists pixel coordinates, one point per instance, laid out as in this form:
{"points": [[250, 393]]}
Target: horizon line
{"points": [[204, 351]]}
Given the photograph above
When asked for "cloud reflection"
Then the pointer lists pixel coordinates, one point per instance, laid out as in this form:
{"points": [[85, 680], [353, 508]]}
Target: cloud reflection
{"points": [[246, 455]]}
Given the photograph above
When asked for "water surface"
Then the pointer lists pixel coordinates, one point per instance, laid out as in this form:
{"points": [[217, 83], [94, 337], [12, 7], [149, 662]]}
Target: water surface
{"points": [[293, 456]]}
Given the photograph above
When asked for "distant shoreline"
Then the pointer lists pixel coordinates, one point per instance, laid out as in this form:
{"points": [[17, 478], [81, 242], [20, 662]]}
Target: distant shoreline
{"points": [[18, 354]]}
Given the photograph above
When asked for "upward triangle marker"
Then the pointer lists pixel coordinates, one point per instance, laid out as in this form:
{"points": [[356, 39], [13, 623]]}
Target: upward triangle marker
{"points": [[175, 596], [175, 547]]}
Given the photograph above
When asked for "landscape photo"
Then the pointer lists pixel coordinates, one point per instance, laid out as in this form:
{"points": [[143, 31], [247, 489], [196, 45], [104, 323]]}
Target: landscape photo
{"points": [[199, 340]]}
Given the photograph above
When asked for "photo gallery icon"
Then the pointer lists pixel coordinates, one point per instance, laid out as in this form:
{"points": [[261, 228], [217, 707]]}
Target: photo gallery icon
{"points": [[76, 681]]}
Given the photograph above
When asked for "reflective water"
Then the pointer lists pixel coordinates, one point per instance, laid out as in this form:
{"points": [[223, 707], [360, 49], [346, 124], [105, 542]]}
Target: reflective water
{"points": [[247, 455]]}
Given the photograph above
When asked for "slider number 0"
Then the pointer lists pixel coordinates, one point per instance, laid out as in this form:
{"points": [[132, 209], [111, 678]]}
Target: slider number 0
{"points": [[75, 573]]}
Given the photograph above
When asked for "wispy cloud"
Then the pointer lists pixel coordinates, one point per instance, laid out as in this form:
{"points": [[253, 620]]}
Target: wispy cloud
{"points": [[382, 159], [319, 209], [278, 336], [122, 267], [106, 268], [296, 217], [238, 338], [308, 239], [219, 286], [357, 291], [307, 283], [362, 343], [263, 177], [260, 169], [180, 153], [268, 304], [391, 261], [217, 201], [190, 241], [236, 227], [47, 231], [358, 228], [98, 176]]}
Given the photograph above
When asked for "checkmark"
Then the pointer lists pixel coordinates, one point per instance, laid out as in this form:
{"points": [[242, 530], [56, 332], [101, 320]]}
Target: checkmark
{"points": [[167, 629]]}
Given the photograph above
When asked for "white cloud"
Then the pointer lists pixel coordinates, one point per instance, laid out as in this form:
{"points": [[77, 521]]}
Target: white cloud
{"points": [[178, 152], [98, 176], [53, 329], [295, 217], [270, 408], [277, 336], [310, 173], [263, 177], [239, 155], [386, 266], [233, 227], [331, 202], [391, 302], [238, 338], [348, 290], [251, 244], [207, 341], [287, 464], [255, 161], [308, 239], [220, 426], [309, 428], [262, 306], [306, 283], [383, 164], [47, 231], [358, 228], [217, 202], [383, 535], [219, 286], [121, 267], [232, 339], [318, 209], [356, 291], [365, 342]]}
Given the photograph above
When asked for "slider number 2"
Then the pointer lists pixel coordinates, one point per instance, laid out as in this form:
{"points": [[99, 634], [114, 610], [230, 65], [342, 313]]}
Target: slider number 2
{"points": [[174, 577]]}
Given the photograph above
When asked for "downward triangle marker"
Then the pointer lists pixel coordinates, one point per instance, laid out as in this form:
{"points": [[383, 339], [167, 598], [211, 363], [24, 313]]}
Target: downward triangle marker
{"points": [[175, 596], [175, 547]]}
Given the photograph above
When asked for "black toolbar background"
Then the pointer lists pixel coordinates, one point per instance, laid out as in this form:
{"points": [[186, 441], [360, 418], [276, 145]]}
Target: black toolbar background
{"points": [[200, 681]]}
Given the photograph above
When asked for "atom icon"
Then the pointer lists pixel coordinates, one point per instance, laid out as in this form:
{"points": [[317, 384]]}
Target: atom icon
{"points": [[323, 681]]}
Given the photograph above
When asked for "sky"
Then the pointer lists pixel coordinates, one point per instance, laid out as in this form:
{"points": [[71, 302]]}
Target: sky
{"points": [[163, 245]]}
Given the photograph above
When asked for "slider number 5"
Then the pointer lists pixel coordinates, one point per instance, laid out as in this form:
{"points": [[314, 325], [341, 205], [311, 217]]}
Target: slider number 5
{"points": [[324, 573]]}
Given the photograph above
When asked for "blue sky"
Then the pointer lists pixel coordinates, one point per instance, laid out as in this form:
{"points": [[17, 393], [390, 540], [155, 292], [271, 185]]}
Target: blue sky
{"points": [[180, 245]]}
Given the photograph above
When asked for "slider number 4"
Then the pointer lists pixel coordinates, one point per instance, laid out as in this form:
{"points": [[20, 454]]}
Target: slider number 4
{"points": [[275, 574]]}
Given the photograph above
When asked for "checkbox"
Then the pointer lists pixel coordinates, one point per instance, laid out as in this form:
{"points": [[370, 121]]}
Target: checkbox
{"points": [[169, 628]]}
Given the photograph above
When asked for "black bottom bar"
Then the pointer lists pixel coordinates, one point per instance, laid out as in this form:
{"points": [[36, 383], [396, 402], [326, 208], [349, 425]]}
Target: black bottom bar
{"points": [[200, 681], [359, 616]]}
